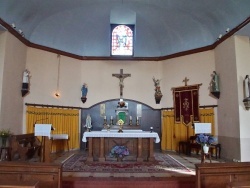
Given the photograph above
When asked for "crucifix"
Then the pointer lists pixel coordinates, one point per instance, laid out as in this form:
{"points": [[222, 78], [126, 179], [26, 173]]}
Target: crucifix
{"points": [[121, 77], [185, 80]]}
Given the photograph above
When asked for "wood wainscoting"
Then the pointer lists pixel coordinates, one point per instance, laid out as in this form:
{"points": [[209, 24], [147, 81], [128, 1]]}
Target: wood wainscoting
{"points": [[47, 175], [214, 175]]}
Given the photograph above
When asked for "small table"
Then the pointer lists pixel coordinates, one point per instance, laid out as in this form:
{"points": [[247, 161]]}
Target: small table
{"points": [[217, 148], [183, 147], [62, 137]]}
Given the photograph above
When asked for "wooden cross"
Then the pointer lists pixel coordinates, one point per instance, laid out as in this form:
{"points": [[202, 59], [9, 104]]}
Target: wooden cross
{"points": [[185, 80], [121, 77]]}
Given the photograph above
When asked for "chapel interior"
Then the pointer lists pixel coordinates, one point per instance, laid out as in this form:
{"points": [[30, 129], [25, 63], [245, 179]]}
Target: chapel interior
{"points": [[88, 75]]}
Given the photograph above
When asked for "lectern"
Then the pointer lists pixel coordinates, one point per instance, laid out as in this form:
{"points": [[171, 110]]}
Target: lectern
{"points": [[44, 130]]}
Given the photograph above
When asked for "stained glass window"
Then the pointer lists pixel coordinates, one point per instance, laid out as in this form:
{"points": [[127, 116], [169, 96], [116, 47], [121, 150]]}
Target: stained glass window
{"points": [[122, 40]]}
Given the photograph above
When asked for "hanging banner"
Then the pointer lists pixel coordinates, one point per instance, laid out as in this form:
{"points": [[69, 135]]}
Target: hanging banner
{"points": [[186, 104]]}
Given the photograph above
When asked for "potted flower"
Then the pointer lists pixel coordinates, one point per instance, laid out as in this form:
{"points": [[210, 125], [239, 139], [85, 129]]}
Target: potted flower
{"points": [[205, 141], [4, 134], [119, 152]]}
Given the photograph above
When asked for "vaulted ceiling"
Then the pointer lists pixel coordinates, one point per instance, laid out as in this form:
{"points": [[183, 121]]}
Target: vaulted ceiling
{"points": [[162, 27]]}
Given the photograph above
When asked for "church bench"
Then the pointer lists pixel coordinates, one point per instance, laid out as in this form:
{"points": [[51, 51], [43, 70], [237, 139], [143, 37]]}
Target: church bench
{"points": [[18, 184], [25, 146], [239, 184], [48, 175], [214, 175]]}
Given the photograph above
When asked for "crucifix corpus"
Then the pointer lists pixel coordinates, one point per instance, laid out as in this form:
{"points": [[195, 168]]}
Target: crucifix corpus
{"points": [[185, 80], [121, 77]]}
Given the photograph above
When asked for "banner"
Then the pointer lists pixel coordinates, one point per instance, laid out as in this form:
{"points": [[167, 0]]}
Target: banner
{"points": [[186, 104]]}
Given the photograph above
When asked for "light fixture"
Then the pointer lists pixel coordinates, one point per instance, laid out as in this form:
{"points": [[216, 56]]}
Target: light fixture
{"points": [[13, 25], [57, 94], [227, 30], [58, 76], [219, 37]]}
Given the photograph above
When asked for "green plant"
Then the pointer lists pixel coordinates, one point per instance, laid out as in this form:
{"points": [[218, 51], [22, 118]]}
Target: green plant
{"points": [[5, 133]]}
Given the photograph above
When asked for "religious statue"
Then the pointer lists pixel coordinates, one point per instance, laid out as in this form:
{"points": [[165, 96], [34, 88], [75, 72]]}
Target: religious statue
{"points": [[88, 124], [247, 86], [246, 100], [158, 94], [84, 92], [25, 85], [215, 89]]}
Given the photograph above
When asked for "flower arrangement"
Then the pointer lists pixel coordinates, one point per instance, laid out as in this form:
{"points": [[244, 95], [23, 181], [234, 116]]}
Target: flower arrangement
{"points": [[119, 151], [205, 139], [5, 133]]}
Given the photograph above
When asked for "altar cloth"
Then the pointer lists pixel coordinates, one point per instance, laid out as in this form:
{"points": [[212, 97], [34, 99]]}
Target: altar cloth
{"points": [[124, 134]]}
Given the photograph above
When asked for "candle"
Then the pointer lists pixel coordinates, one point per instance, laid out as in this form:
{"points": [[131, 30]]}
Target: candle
{"points": [[130, 117], [111, 117], [137, 118], [104, 117]]}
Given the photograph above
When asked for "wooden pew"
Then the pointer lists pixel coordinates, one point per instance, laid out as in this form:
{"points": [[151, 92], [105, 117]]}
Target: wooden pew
{"points": [[48, 175], [24, 145], [214, 175]]}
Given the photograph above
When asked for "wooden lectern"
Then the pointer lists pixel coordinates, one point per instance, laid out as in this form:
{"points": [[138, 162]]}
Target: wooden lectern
{"points": [[44, 131]]}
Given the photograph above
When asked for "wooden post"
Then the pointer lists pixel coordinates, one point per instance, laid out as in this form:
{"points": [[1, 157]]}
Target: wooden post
{"points": [[139, 152], [151, 150], [101, 155], [90, 155]]}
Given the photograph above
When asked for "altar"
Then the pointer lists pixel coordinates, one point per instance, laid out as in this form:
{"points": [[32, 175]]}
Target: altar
{"points": [[139, 143]]}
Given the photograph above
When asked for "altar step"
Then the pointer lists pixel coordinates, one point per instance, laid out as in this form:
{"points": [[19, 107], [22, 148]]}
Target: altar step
{"points": [[151, 182]]}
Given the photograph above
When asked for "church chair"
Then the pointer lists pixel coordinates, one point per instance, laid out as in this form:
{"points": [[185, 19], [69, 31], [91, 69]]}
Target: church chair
{"points": [[193, 145]]}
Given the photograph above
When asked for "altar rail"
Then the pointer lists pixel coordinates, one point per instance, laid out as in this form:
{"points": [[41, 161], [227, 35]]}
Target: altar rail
{"points": [[214, 175], [48, 175]]}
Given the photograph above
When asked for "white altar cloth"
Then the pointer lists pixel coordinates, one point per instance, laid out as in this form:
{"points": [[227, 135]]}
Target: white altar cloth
{"points": [[125, 134]]}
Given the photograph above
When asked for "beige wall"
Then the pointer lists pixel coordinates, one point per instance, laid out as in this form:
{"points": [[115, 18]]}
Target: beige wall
{"points": [[2, 54], [242, 47], [12, 103], [102, 86], [140, 87], [232, 64]]}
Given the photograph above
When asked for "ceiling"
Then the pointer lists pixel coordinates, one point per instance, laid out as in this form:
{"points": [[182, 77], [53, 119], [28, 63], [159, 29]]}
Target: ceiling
{"points": [[162, 27]]}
